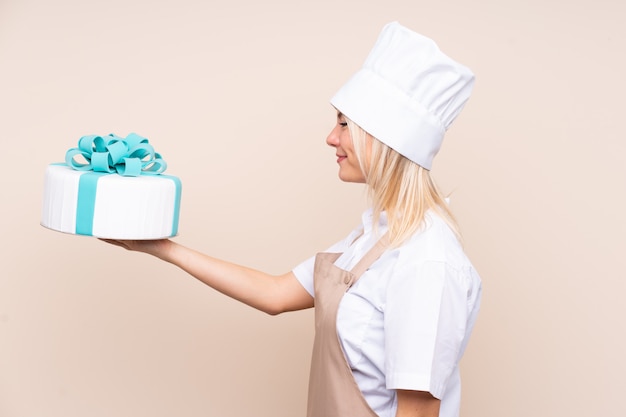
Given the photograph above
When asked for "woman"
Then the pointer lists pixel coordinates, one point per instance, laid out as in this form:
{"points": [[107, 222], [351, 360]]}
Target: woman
{"points": [[395, 300]]}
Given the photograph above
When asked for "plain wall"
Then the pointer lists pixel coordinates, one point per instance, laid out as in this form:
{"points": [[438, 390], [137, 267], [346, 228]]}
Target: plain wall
{"points": [[234, 95]]}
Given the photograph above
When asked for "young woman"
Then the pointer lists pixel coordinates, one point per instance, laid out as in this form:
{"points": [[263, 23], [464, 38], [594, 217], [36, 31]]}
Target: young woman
{"points": [[396, 300]]}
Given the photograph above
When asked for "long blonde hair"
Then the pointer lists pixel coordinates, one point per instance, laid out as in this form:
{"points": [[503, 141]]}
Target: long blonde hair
{"points": [[399, 187]]}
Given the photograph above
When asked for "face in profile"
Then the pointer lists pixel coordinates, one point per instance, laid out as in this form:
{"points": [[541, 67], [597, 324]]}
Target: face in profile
{"points": [[341, 139]]}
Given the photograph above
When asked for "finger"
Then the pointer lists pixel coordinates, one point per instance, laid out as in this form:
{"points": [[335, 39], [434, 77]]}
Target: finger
{"points": [[115, 242]]}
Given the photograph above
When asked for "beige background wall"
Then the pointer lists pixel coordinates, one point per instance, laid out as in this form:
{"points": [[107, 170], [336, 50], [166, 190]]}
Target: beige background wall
{"points": [[235, 94]]}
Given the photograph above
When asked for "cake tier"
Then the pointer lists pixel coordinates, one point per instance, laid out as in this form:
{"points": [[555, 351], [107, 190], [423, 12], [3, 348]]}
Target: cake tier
{"points": [[110, 205]]}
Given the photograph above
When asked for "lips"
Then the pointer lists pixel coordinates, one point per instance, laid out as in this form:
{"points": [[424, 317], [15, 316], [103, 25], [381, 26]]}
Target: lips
{"points": [[340, 158]]}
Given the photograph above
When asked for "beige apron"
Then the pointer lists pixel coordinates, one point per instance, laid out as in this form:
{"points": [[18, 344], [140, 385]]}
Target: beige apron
{"points": [[333, 392]]}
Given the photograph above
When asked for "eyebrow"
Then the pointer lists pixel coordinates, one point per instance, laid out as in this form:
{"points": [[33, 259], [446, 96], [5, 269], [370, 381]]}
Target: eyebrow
{"points": [[339, 114]]}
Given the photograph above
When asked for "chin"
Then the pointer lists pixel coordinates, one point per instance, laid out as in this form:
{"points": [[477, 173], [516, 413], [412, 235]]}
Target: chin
{"points": [[351, 178]]}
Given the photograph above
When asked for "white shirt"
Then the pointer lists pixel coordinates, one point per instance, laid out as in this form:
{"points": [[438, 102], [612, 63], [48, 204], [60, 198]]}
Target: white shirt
{"points": [[406, 322]]}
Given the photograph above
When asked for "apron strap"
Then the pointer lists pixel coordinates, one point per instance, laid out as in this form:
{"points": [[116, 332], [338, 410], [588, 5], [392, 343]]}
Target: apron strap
{"points": [[370, 257]]}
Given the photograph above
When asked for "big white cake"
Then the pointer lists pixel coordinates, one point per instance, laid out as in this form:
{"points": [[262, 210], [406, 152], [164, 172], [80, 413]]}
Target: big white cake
{"points": [[118, 192]]}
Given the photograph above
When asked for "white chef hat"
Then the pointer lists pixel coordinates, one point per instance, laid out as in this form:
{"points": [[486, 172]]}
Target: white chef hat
{"points": [[406, 94]]}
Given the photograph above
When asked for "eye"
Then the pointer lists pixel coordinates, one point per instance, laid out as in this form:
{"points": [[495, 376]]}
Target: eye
{"points": [[341, 121]]}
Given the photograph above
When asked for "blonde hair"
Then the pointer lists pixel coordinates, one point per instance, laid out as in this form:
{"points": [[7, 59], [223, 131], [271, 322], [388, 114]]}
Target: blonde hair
{"points": [[399, 187]]}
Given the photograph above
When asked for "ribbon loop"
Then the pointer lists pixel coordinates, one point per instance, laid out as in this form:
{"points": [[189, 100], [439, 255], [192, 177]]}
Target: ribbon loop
{"points": [[129, 156], [100, 162]]}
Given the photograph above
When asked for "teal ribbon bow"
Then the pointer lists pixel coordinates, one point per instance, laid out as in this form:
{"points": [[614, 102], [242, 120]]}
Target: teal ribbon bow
{"points": [[130, 156]]}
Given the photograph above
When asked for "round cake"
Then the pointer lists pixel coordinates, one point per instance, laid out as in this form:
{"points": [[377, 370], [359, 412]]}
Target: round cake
{"points": [[84, 199]]}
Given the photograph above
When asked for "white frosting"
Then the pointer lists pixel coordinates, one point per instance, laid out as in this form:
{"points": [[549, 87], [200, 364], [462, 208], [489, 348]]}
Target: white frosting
{"points": [[143, 207]]}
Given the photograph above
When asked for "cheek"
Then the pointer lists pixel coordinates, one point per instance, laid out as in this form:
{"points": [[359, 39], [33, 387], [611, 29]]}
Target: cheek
{"points": [[346, 142]]}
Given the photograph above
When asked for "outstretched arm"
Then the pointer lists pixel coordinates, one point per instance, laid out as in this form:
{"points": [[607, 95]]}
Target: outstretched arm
{"points": [[417, 404], [272, 294]]}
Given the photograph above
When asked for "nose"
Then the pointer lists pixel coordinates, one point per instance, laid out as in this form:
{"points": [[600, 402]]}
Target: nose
{"points": [[333, 137]]}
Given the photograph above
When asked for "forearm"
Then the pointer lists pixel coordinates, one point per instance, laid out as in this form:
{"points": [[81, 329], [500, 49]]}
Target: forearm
{"points": [[246, 285], [265, 292]]}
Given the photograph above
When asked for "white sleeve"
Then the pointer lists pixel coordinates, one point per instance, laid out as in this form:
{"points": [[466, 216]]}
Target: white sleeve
{"points": [[304, 271], [426, 317]]}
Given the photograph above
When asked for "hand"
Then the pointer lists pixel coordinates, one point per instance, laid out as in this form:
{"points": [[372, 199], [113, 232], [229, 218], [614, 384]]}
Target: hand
{"points": [[157, 248]]}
